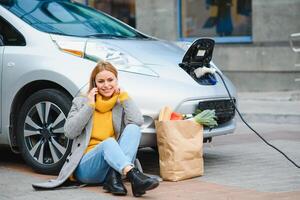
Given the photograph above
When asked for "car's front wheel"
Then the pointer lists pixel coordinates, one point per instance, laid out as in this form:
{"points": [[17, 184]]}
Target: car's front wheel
{"points": [[40, 129]]}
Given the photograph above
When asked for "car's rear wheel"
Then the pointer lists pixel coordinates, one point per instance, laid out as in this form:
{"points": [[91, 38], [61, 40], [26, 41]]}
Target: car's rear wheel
{"points": [[40, 129]]}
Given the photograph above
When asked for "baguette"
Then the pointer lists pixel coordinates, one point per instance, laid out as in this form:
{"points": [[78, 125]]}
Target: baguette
{"points": [[165, 114]]}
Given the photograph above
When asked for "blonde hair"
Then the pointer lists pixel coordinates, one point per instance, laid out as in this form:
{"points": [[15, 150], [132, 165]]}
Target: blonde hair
{"points": [[101, 66]]}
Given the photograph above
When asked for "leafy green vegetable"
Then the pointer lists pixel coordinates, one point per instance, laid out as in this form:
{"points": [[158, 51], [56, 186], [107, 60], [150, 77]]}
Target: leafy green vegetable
{"points": [[207, 118], [197, 111]]}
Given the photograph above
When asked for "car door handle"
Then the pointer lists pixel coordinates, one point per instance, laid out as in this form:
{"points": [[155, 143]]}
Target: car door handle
{"points": [[11, 64]]}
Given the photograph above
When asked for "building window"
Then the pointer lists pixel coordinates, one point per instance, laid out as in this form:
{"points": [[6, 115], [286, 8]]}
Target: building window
{"points": [[123, 10], [223, 20]]}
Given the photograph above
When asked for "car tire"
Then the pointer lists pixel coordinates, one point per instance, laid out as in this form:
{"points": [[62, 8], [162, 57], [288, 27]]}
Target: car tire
{"points": [[40, 129]]}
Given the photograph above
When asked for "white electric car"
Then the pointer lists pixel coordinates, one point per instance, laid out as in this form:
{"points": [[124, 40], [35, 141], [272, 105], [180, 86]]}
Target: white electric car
{"points": [[47, 51]]}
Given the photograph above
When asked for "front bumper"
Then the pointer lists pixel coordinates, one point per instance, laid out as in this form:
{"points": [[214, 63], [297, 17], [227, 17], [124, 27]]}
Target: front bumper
{"points": [[224, 111]]}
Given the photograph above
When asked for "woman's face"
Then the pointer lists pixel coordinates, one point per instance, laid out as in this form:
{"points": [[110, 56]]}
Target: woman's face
{"points": [[106, 83]]}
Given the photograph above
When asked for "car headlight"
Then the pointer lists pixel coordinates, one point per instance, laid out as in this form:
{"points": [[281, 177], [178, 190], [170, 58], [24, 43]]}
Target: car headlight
{"points": [[101, 51], [97, 51]]}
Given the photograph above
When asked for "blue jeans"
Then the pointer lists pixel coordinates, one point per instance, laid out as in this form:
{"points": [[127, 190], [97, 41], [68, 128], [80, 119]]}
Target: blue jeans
{"points": [[95, 164]]}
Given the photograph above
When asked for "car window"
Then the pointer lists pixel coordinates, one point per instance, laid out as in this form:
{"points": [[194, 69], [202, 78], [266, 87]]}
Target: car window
{"points": [[9, 35], [68, 18]]}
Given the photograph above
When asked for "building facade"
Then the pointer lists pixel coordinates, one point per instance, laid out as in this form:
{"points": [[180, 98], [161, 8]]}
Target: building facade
{"points": [[252, 36]]}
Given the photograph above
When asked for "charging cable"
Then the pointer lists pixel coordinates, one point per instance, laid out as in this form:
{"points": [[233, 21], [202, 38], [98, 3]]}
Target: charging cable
{"points": [[265, 141]]}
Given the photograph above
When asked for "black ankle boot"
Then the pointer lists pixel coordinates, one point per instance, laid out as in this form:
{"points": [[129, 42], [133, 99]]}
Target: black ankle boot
{"points": [[140, 183], [113, 183]]}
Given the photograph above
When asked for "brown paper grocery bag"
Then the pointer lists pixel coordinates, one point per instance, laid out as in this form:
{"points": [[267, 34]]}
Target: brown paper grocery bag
{"points": [[180, 146]]}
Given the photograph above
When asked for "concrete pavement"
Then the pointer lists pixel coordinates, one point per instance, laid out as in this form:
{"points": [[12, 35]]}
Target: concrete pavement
{"points": [[270, 107], [237, 166]]}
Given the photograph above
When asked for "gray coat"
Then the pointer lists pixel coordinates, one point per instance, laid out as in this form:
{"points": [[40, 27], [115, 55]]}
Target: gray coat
{"points": [[78, 127]]}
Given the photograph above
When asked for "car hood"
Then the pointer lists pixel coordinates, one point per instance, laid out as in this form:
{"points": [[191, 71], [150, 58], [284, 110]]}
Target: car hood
{"points": [[154, 57], [163, 58], [148, 52], [160, 57]]}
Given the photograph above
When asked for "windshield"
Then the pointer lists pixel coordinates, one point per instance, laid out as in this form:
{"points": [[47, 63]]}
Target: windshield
{"points": [[68, 18]]}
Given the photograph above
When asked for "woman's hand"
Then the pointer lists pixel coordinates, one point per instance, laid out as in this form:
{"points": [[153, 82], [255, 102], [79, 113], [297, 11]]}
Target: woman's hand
{"points": [[122, 94], [118, 90], [91, 95]]}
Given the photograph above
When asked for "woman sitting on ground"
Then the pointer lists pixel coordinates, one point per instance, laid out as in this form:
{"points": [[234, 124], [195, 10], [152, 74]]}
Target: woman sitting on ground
{"points": [[104, 126]]}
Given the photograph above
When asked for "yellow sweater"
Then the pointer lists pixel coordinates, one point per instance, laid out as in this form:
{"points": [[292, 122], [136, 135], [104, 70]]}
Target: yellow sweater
{"points": [[102, 122]]}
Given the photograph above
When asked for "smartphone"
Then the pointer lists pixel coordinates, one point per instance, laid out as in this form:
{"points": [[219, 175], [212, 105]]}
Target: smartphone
{"points": [[94, 85]]}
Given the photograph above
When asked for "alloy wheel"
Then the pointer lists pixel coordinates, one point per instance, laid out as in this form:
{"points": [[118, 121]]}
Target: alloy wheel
{"points": [[44, 133]]}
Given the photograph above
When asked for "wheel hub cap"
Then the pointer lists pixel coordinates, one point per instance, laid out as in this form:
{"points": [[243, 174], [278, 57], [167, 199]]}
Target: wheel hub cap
{"points": [[44, 133]]}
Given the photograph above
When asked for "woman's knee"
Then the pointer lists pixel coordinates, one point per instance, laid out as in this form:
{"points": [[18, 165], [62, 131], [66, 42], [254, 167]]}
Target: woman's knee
{"points": [[133, 130], [108, 142]]}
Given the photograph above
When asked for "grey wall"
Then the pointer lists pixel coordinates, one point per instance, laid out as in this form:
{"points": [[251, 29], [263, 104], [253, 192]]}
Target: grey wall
{"points": [[157, 18], [259, 68], [275, 20]]}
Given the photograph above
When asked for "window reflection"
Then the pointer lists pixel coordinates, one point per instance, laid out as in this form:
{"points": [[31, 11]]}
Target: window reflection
{"points": [[123, 10], [67, 18], [59, 13], [216, 18]]}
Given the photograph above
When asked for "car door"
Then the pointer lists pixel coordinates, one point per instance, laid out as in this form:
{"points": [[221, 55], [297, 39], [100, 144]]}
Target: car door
{"points": [[10, 38]]}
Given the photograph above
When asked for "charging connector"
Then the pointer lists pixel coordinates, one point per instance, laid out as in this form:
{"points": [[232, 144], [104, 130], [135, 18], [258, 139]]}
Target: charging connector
{"points": [[200, 71]]}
